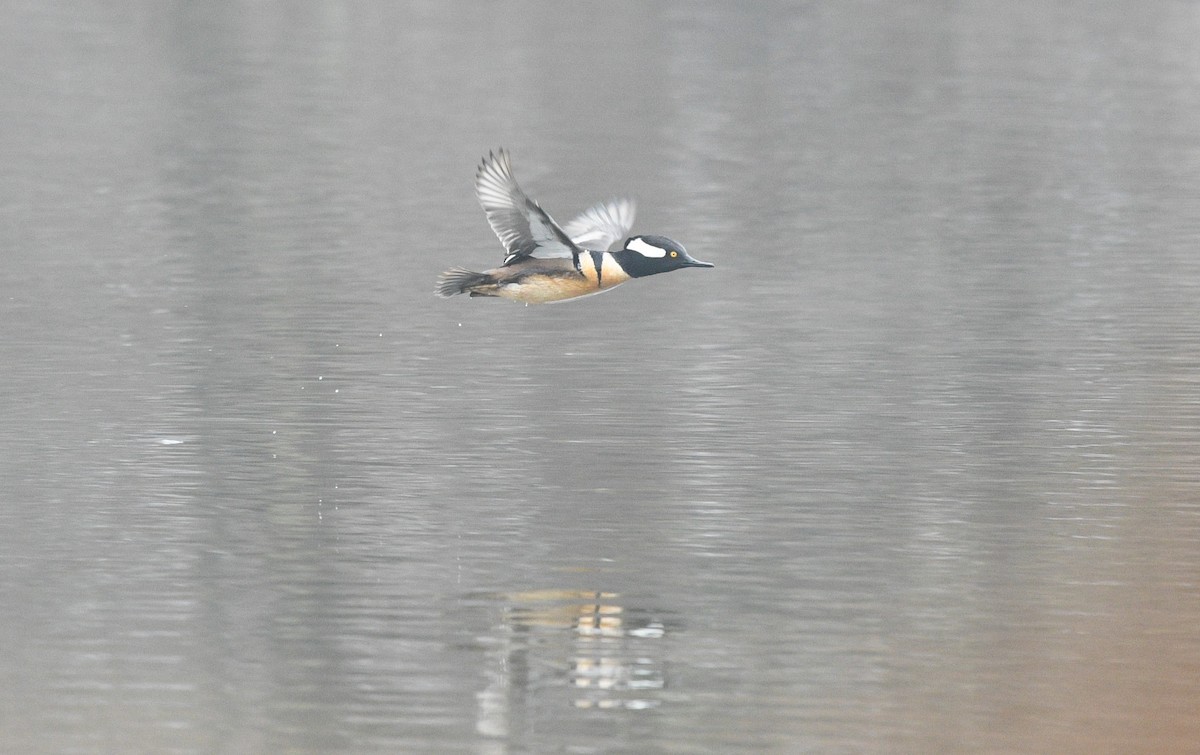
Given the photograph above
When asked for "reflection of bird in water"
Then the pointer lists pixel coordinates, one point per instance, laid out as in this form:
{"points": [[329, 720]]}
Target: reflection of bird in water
{"points": [[609, 655], [544, 262]]}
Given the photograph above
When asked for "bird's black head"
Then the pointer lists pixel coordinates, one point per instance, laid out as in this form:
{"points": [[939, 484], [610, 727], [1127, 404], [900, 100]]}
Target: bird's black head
{"points": [[647, 255]]}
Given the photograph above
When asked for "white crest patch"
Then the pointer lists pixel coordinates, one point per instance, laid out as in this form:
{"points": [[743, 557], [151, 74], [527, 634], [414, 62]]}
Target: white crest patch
{"points": [[645, 248]]}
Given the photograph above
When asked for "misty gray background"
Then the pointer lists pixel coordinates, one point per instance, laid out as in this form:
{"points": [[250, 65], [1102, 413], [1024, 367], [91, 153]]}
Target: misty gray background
{"points": [[915, 468]]}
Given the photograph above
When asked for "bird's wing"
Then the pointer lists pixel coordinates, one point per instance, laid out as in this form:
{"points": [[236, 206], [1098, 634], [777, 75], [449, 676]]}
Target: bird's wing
{"points": [[602, 225], [523, 227]]}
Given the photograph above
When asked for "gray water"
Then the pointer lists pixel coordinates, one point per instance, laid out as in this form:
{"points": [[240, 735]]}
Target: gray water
{"points": [[915, 468]]}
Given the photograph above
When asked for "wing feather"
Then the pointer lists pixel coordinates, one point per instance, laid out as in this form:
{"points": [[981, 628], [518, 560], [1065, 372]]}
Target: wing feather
{"points": [[525, 229], [603, 224]]}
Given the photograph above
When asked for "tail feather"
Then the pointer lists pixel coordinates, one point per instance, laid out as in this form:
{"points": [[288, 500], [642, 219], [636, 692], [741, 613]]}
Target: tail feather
{"points": [[458, 280]]}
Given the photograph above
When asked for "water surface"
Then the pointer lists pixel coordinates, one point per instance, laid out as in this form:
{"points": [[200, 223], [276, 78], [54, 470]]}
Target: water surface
{"points": [[913, 469]]}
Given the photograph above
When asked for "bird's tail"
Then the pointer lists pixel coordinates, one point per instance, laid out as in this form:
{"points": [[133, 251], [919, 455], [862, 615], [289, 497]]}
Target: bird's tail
{"points": [[458, 280]]}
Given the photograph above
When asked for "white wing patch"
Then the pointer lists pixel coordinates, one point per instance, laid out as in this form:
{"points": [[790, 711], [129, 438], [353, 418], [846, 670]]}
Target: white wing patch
{"points": [[645, 248], [602, 225]]}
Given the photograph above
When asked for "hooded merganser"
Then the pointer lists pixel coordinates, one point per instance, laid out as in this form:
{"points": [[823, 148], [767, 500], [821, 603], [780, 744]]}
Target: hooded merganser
{"points": [[545, 262]]}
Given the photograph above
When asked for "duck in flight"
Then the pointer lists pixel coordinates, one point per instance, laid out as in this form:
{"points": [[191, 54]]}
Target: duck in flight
{"points": [[545, 262]]}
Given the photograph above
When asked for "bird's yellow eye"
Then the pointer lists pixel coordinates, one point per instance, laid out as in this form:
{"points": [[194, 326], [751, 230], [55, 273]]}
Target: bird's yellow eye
{"points": [[674, 254]]}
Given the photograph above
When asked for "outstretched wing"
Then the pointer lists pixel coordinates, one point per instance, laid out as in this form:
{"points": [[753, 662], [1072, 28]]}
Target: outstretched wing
{"points": [[602, 225], [523, 227]]}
